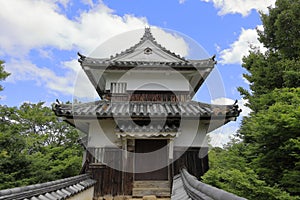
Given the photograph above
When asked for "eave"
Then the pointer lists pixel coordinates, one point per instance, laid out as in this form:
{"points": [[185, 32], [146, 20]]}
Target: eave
{"points": [[143, 110]]}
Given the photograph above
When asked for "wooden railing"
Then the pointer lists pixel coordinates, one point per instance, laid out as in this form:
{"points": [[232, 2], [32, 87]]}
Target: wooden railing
{"points": [[200, 191]]}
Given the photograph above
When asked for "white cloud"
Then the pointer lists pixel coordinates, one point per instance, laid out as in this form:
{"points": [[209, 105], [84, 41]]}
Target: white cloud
{"points": [[72, 65], [82, 88], [88, 2], [222, 101], [170, 40], [181, 1], [35, 24], [242, 7], [222, 135], [26, 71], [32, 24], [248, 39], [100, 24], [242, 105], [245, 80]]}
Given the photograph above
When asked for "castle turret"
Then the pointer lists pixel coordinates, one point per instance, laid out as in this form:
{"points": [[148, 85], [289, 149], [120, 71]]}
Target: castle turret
{"points": [[146, 127]]}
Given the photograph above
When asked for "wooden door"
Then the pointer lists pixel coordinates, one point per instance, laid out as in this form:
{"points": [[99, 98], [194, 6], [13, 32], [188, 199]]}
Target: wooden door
{"points": [[155, 159]]}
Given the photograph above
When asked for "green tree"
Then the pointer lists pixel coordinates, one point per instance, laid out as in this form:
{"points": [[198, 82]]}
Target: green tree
{"points": [[35, 146], [281, 29], [272, 136], [3, 74], [271, 132], [13, 160], [230, 171], [266, 163]]}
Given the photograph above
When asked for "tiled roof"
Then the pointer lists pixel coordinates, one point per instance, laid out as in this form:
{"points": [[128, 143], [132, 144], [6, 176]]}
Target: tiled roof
{"points": [[151, 130], [187, 187], [178, 190], [106, 63], [131, 127], [115, 61], [54, 190], [147, 36], [108, 109]]}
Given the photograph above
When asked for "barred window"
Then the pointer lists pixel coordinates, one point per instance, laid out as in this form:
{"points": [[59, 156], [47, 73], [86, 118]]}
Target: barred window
{"points": [[118, 88]]}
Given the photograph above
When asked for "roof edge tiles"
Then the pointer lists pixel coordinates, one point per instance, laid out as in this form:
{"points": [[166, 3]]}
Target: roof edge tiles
{"points": [[59, 189], [108, 109], [94, 63], [129, 127]]}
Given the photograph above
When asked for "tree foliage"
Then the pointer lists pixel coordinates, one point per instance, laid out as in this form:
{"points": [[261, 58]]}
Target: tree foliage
{"points": [[267, 161], [230, 171], [271, 132], [3, 74], [35, 146], [281, 29]]}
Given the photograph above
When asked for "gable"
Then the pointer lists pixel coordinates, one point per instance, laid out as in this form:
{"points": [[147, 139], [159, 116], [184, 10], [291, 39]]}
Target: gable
{"points": [[148, 51]]}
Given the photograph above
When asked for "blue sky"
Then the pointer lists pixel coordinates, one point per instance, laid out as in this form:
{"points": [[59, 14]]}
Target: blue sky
{"points": [[39, 41]]}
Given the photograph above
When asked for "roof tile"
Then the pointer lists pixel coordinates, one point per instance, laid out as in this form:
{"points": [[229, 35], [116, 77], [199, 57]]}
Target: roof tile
{"points": [[53, 190], [107, 109]]}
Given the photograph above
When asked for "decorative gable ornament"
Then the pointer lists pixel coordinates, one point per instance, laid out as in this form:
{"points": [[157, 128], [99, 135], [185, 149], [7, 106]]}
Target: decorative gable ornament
{"points": [[148, 51]]}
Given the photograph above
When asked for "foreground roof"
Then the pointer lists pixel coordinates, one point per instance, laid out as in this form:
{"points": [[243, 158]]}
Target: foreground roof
{"points": [[108, 109], [55, 190], [187, 187]]}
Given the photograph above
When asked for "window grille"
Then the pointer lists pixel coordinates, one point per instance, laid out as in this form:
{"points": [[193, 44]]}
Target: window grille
{"points": [[118, 88]]}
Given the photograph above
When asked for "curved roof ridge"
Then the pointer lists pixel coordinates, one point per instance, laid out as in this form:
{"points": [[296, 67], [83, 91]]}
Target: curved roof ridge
{"points": [[147, 36]]}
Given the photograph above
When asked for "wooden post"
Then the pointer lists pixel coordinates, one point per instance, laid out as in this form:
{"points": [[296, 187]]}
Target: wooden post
{"points": [[171, 148]]}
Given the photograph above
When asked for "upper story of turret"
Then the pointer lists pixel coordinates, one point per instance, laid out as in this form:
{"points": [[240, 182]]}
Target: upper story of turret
{"points": [[146, 72]]}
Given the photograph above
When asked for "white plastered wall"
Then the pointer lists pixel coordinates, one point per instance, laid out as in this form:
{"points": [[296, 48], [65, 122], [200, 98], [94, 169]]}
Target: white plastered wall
{"points": [[193, 134], [150, 81], [101, 134]]}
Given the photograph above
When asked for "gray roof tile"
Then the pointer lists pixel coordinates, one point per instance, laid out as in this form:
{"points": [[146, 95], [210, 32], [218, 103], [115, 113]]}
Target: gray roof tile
{"points": [[107, 109], [132, 127], [186, 186], [53, 190]]}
